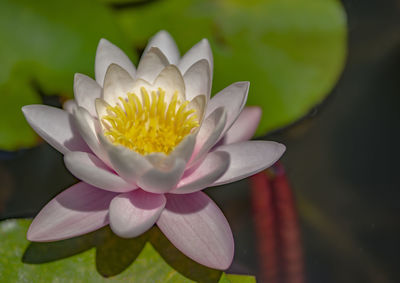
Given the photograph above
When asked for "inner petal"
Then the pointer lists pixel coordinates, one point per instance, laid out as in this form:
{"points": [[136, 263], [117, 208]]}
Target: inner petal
{"points": [[149, 123]]}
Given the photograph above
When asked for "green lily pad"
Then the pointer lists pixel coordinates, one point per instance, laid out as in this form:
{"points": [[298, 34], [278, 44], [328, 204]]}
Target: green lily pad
{"points": [[292, 51], [43, 44], [99, 256]]}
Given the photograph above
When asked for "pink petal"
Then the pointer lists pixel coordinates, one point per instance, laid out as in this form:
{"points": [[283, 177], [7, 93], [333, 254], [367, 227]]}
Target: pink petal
{"points": [[90, 169], [132, 214], [201, 50], [151, 64], [164, 41], [208, 134], [232, 98], [244, 127], [86, 91], [77, 210], [249, 158], [198, 80], [213, 167], [197, 227], [55, 126], [106, 54]]}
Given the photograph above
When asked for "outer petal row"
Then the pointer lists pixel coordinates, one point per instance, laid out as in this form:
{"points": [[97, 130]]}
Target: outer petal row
{"points": [[76, 211], [54, 126], [88, 168], [132, 214], [198, 228], [192, 222], [244, 127], [248, 158]]}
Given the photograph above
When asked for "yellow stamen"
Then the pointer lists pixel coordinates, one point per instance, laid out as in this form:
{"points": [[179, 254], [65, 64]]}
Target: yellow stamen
{"points": [[149, 125]]}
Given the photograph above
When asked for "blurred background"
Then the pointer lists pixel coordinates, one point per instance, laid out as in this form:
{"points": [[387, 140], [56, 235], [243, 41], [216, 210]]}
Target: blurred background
{"points": [[326, 74]]}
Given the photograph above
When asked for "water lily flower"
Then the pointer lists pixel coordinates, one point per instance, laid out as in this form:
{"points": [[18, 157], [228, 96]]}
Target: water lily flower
{"points": [[144, 142]]}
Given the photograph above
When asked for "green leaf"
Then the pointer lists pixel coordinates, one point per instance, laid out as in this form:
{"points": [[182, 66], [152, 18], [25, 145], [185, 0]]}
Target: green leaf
{"points": [[43, 44], [292, 51], [99, 256]]}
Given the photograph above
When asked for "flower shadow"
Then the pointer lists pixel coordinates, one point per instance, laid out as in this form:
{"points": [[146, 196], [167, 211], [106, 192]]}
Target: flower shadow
{"points": [[115, 254], [37, 253]]}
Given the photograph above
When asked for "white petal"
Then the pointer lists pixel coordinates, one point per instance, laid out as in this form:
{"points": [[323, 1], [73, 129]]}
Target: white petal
{"points": [[86, 91], [199, 105], [101, 110], [117, 83], [90, 169], [197, 227], [201, 50], [55, 126], [244, 127], [107, 54], [198, 80], [132, 214], [77, 210], [208, 134], [70, 106], [185, 148], [162, 180], [249, 158], [151, 64], [129, 164], [88, 127], [232, 98], [170, 79], [212, 168], [164, 41]]}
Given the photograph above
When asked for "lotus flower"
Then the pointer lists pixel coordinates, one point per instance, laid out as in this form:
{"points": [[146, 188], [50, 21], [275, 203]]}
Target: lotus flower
{"points": [[144, 142]]}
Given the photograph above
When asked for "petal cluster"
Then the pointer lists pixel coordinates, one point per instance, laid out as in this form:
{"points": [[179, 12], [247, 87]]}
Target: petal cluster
{"points": [[131, 191]]}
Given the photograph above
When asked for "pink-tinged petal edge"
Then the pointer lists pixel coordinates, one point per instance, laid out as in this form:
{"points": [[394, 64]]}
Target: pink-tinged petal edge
{"points": [[90, 169], [133, 213], [212, 168], [78, 210], [198, 228], [244, 127], [249, 158], [232, 98]]}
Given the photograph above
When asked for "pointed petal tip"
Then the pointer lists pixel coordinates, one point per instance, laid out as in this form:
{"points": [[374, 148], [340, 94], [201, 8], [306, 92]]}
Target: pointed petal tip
{"points": [[34, 235], [103, 41], [162, 32], [205, 42], [243, 84], [26, 109], [281, 148]]}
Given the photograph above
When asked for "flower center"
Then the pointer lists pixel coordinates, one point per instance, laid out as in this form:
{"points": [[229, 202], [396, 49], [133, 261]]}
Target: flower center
{"points": [[149, 125]]}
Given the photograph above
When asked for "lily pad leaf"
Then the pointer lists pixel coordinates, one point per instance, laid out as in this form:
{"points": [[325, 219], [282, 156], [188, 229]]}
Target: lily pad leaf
{"points": [[43, 44], [291, 51], [100, 256]]}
